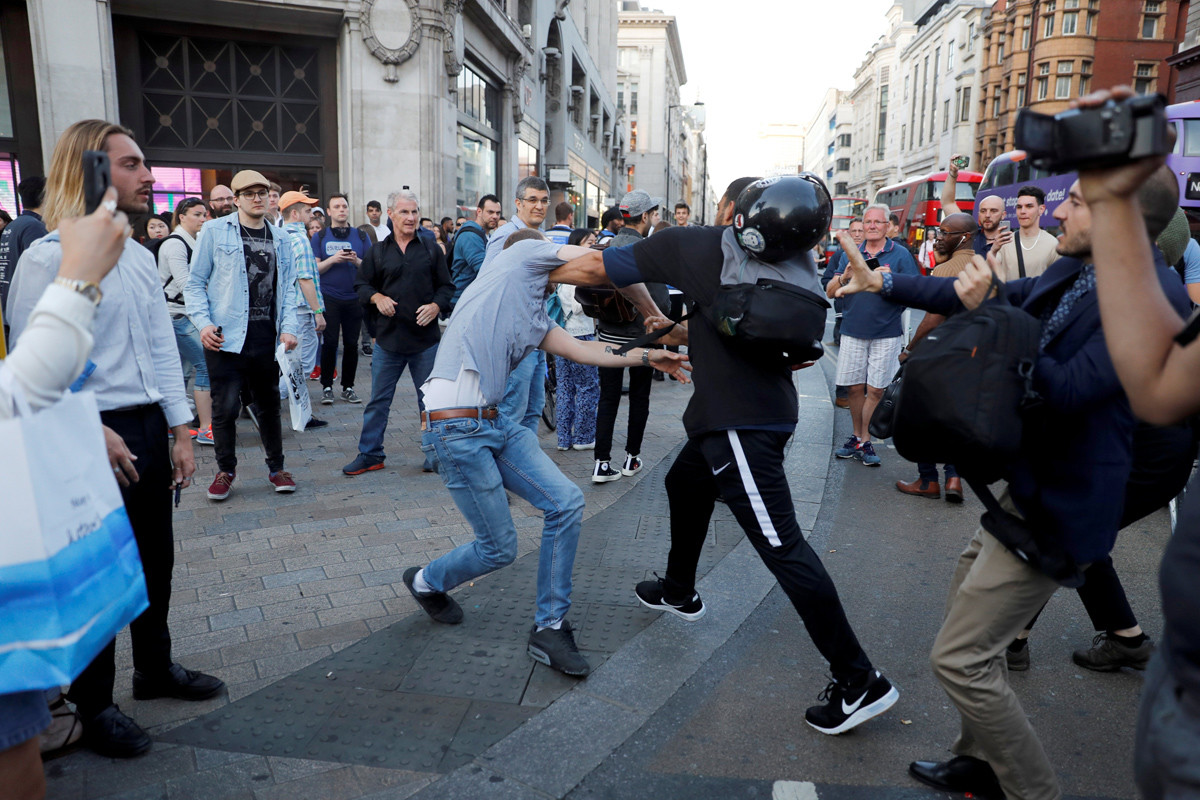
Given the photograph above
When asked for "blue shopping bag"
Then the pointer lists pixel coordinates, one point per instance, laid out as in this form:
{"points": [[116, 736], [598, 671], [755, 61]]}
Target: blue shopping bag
{"points": [[70, 573]]}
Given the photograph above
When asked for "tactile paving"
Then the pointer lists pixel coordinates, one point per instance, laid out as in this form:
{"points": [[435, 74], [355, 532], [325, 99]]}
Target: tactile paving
{"points": [[472, 668], [485, 723], [607, 627], [376, 662]]}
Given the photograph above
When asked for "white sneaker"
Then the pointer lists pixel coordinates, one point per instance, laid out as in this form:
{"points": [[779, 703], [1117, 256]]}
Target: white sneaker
{"points": [[603, 473], [632, 465], [586, 446]]}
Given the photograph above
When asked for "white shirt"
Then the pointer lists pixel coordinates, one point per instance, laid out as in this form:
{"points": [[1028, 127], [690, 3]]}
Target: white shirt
{"points": [[54, 348]]}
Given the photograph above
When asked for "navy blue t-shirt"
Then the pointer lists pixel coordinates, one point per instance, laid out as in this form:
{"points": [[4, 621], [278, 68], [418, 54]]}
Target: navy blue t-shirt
{"points": [[981, 244], [869, 316], [338, 280]]}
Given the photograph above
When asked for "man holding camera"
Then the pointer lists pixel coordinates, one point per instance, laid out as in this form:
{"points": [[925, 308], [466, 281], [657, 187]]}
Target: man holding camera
{"points": [[1076, 449], [1157, 359]]}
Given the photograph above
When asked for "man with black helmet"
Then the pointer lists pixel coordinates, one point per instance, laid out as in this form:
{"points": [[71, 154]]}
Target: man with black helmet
{"points": [[742, 413]]}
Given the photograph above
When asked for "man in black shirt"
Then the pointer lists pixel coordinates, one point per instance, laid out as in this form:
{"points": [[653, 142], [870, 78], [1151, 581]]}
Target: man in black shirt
{"points": [[406, 281], [741, 415]]}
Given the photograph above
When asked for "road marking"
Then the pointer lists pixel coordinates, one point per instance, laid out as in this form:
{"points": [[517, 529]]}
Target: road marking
{"points": [[793, 790]]}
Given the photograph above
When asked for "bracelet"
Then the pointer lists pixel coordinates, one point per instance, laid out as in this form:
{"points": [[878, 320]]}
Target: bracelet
{"points": [[646, 357]]}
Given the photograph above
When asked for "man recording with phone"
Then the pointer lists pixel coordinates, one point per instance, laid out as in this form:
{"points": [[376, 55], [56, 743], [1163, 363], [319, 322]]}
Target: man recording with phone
{"points": [[136, 375], [993, 230], [1075, 450], [1032, 250]]}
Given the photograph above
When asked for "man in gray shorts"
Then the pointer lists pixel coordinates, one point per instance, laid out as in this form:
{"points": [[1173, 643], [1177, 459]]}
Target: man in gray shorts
{"points": [[500, 319]]}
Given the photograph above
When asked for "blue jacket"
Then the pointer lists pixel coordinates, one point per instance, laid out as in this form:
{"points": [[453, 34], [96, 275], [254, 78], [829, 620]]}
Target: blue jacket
{"points": [[217, 291], [470, 246], [1077, 450]]}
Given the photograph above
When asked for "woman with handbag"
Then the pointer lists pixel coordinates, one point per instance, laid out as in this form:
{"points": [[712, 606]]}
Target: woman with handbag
{"points": [[54, 350]]}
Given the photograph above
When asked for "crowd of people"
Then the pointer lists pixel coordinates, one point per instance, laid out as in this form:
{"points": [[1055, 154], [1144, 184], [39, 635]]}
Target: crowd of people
{"points": [[473, 307]]}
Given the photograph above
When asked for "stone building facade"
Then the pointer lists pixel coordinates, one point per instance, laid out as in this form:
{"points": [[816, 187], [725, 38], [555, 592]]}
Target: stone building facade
{"points": [[453, 98]]}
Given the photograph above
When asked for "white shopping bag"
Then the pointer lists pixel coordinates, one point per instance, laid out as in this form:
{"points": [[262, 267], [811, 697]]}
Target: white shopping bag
{"points": [[70, 573], [292, 383]]}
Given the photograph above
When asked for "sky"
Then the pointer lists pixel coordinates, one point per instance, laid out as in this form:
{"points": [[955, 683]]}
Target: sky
{"points": [[768, 61]]}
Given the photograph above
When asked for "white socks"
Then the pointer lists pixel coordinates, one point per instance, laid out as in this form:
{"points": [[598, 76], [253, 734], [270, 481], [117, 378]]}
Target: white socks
{"points": [[420, 585], [556, 626]]}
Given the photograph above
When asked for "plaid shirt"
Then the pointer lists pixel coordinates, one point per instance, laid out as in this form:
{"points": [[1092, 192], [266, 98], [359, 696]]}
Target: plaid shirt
{"points": [[306, 264]]}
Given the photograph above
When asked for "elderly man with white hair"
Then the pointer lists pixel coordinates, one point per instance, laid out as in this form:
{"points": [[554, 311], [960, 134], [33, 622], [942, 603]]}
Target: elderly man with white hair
{"points": [[404, 279]]}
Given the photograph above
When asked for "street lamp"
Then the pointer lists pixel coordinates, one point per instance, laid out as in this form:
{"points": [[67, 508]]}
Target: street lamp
{"points": [[667, 193]]}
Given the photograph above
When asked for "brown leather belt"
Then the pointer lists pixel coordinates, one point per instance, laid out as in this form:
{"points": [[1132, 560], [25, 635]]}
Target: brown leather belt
{"points": [[459, 413]]}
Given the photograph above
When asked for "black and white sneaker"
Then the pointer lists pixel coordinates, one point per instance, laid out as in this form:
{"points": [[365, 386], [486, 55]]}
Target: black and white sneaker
{"points": [[603, 473], [848, 707], [652, 595], [632, 465], [556, 649]]}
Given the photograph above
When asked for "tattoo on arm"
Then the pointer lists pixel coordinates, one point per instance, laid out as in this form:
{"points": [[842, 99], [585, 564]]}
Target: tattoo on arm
{"points": [[608, 348]]}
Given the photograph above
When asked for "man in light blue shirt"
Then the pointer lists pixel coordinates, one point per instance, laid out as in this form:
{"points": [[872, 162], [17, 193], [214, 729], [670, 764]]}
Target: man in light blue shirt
{"points": [[296, 210], [499, 320], [525, 396], [564, 217]]}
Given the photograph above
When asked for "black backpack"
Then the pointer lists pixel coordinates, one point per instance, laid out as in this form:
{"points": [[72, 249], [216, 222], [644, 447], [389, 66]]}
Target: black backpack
{"points": [[966, 390], [154, 246]]}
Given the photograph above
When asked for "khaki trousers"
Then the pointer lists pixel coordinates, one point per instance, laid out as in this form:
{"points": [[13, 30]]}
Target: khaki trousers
{"points": [[992, 597]]}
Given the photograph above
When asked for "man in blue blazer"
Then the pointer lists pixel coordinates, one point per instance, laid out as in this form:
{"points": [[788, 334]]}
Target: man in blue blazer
{"points": [[1076, 451]]}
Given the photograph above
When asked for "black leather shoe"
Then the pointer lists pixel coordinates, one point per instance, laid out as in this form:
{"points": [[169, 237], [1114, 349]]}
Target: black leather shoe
{"points": [[114, 735], [960, 774], [177, 682]]}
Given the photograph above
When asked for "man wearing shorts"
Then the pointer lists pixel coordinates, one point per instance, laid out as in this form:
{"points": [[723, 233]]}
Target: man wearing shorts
{"points": [[872, 336]]}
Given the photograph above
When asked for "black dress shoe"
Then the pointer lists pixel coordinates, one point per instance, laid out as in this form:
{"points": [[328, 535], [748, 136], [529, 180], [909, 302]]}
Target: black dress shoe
{"points": [[315, 423], [177, 682], [960, 774], [114, 735]]}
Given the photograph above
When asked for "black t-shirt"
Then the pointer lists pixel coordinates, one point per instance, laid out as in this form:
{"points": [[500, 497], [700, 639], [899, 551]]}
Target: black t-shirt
{"points": [[733, 389], [261, 275], [1180, 587]]}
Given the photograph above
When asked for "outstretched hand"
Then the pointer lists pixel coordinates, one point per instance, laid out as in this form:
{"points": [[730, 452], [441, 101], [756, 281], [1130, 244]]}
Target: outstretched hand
{"points": [[674, 364], [677, 336], [1116, 183], [858, 277]]}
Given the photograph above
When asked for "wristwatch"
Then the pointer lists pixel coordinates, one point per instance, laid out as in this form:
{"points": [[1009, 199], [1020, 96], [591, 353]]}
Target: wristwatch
{"points": [[646, 358], [86, 288]]}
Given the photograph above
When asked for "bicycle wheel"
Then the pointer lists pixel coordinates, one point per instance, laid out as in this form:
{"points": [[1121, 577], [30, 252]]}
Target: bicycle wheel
{"points": [[550, 409]]}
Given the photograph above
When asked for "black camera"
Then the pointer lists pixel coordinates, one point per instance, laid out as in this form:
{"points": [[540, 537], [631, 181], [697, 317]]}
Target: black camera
{"points": [[1091, 138]]}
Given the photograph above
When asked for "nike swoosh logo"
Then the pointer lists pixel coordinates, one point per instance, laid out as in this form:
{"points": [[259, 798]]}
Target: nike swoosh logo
{"points": [[848, 710], [722, 469]]}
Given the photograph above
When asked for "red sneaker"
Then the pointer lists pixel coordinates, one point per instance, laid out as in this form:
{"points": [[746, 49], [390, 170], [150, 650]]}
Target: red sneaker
{"points": [[315, 375], [282, 481], [220, 486]]}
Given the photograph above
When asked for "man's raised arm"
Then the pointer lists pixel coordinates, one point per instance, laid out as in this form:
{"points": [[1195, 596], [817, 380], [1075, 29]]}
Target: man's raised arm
{"points": [[949, 188]]}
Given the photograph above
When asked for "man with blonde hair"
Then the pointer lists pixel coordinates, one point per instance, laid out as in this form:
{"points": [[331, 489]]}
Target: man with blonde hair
{"points": [[138, 382]]}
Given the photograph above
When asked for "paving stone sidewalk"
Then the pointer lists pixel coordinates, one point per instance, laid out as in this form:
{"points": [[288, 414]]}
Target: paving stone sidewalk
{"points": [[267, 585]]}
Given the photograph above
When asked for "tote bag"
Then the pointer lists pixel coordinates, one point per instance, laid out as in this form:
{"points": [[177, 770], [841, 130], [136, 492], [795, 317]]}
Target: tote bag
{"points": [[293, 384], [70, 573]]}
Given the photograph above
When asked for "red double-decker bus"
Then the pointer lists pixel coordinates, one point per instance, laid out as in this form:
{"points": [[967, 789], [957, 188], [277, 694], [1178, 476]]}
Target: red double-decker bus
{"points": [[845, 210], [918, 202]]}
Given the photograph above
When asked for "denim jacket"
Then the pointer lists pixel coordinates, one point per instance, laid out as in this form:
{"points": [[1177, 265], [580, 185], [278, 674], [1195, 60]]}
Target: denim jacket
{"points": [[217, 291]]}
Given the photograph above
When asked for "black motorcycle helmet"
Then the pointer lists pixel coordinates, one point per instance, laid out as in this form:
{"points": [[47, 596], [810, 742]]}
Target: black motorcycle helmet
{"points": [[778, 218]]}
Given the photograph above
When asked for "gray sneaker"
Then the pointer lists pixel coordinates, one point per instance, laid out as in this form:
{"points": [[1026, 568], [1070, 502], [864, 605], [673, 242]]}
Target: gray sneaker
{"points": [[349, 396], [557, 650], [327, 396], [1108, 655]]}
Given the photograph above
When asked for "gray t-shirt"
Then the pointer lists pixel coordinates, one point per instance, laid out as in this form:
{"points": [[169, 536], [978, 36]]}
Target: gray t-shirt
{"points": [[500, 318]]}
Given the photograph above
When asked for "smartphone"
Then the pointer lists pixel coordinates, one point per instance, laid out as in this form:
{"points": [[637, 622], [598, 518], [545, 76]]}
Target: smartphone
{"points": [[961, 162], [97, 177], [1004, 225], [872, 264]]}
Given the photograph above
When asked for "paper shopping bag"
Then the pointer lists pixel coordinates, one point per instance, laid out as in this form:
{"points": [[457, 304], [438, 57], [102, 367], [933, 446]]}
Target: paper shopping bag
{"points": [[292, 382], [70, 573]]}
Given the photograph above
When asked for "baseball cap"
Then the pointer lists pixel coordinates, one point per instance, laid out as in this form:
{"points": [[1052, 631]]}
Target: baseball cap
{"points": [[636, 203], [318, 210], [247, 178], [291, 198]]}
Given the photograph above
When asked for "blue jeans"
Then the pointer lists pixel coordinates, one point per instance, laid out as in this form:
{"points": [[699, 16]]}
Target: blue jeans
{"points": [[191, 352], [386, 369], [479, 459], [928, 472], [525, 392]]}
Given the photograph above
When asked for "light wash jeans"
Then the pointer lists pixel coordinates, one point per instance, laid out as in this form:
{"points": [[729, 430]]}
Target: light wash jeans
{"points": [[191, 351], [525, 392], [310, 340], [386, 369], [479, 459]]}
